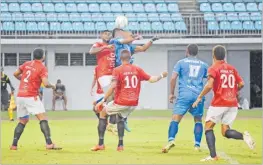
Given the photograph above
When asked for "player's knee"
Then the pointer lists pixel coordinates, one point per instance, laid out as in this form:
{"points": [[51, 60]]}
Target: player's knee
{"points": [[209, 125], [119, 118], [177, 118], [224, 129], [198, 119], [24, 120]]}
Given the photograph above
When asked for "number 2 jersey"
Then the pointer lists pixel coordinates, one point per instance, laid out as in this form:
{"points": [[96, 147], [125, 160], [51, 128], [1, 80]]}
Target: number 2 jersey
{"points": [[226, 80], [128, 88], [31, 78]]}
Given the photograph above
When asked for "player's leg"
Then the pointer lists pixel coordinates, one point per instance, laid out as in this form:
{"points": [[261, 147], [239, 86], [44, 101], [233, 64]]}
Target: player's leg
{"points": [[54, 103], [65, 101]]}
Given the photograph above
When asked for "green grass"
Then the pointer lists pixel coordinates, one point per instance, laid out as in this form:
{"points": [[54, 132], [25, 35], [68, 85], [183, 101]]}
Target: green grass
{"points": [[142, 146]]}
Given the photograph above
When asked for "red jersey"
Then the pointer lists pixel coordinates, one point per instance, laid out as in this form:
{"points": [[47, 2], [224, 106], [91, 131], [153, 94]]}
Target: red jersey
{"points": [[105, 59], [99, 89], [226, 80], [31, 79], [128, 88]]}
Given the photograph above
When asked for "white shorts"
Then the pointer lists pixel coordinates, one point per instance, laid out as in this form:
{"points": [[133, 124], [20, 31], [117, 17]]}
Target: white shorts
{"points": [[105, 82], [29, 105], [225, 115], [124, 111]]}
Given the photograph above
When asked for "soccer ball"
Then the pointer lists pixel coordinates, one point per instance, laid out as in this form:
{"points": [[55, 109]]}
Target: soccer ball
{"points": [[121, 22]]}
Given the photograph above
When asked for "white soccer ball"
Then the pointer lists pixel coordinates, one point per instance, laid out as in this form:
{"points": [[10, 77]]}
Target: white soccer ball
{"points": [[121, 22]]}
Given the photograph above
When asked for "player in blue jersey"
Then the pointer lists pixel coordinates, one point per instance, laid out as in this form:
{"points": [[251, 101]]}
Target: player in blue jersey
{"points": [[191, 72]]}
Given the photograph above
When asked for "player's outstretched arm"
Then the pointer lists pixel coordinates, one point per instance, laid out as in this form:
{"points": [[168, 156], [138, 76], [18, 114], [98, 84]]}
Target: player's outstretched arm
{"points": [[47, 84], [17, 74], [146, 46], [154, 79], [172, 86], [94, 50]]}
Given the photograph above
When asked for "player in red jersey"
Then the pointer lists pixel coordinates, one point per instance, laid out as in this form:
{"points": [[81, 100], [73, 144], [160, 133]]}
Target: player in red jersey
{"points": [[126, 85], [31, 74], [225, 82]]}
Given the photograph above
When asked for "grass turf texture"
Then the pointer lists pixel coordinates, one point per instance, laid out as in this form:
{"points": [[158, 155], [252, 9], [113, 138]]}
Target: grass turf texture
{"points": [[76, 132]]}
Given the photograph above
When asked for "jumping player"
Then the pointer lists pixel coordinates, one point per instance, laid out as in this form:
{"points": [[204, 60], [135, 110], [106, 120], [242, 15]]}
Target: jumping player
{"points": [[226, 82], [191, 72], [31, 74], [126, 85]]}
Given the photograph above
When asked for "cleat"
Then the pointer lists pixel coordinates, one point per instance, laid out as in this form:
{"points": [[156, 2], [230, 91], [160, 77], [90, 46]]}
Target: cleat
{"points": [[126, 127], [120, 149], [197, 148], [98, 148], [52, 147], [112, 128], [169, 146], [249, 140], [13, 148], [209, 158]]}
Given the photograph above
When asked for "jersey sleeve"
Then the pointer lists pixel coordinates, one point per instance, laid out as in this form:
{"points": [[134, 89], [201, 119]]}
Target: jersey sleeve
{"points": [[115, 41], [22, 67], [144, 76], [96, 45], [132, 48], [177, 68], [211, 72], [205, 71], [43, 73], [238, 77]]}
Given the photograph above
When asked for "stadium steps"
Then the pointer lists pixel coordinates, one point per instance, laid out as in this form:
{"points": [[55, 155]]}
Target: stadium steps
{"points": [[187, 6]]}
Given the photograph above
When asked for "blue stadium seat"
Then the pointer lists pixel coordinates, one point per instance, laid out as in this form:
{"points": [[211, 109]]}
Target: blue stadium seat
{"points": [[142, 17], [13, 7], [20, 26], [133, 26], [150, 8], [255, 16], [259, 1], [113, 1], [66, 26], [108, 17], [180, 26], [145, 26], [6, 16], [4, 7], [248, 25], [31, 26], [78, 26], [236, 25], [247, 1], [60, 7], [55, 26], [244, 16], [153, 17], [173, 7], [74, 17], [147, 1], [205, 7], [240, 7], [29, 17], [236, 1], [165, 17], [221, 16], [63, 17], [225, 25], [138, 8], [212, 25], [8, 26], [232, 17], [82, 8], [48, 7], [161, 8], [17, 17], [116, 8], [105, 8], [110, 25], [225, 1], [214, 1], [94, 8], [46, 1], [202, 1], [131, 17], [135, 1], [217, 7], [37, 7], [25, 7], [157, 26], [52, 17], [228, 7], [43, 26], [258, 25], [260, 6], [176, 17], [97, 17], [86, 17], [209, 17], [250, 7], [40, 17], [100, 26], [71, 7], [168, 26], [127, 8]]}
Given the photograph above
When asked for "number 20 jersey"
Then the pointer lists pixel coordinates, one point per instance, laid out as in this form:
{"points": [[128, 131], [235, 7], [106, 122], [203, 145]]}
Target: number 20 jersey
{"points": [[226, 80], [31, 78]]}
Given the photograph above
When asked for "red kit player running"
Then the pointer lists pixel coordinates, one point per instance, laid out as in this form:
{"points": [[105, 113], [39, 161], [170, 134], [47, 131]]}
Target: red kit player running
{"points": [[126, 85], [225, 82], [31, 74]]}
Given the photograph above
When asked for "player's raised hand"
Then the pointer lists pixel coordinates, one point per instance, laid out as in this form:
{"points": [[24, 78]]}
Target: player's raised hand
{"points": [[196, 102], [165, 74], [171, 98], [53, 87]]}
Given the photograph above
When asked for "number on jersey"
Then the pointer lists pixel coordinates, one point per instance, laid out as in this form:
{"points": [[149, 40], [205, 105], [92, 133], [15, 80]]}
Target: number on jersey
{"points": [[228, 81], [28, 74], [194, 70], [131, 82]]}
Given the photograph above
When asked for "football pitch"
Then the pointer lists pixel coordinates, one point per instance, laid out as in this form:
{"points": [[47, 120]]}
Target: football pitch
{"points": [[76, 132]]}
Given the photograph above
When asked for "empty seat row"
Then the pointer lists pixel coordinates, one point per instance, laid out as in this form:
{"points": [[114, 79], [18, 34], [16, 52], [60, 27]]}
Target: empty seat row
{"points": [[93, 7], [87, 17], [230, 7], [90, 26], [232, 16], [224, 1], [235, 25]]}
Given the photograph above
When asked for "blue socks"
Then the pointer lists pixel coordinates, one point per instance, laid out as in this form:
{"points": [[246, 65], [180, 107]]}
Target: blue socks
{"points": [[198, 132], [173, 129]]}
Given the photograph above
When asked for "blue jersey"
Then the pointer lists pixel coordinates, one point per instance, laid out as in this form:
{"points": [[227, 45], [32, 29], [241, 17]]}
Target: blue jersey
{"points": [[119, 47], [191, 72]]}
